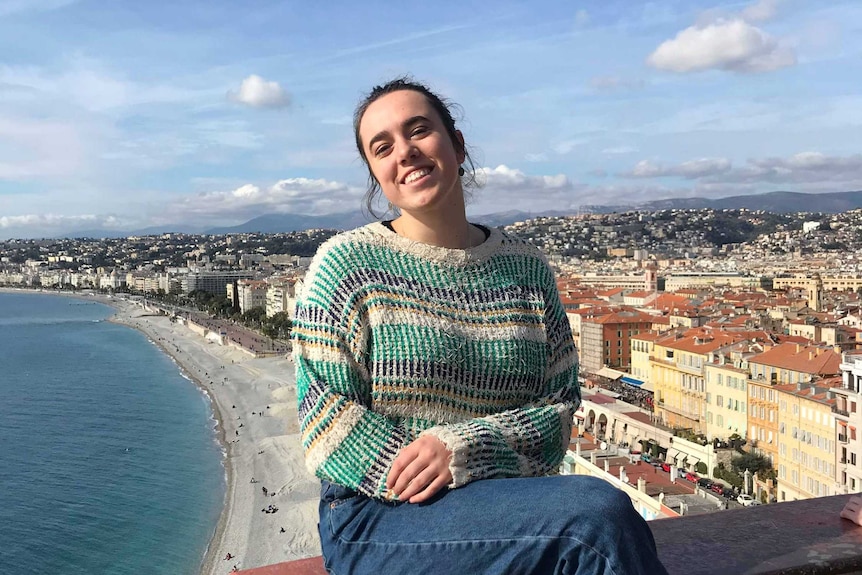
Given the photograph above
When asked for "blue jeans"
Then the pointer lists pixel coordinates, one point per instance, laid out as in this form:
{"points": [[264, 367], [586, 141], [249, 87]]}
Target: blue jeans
{"points": [[559, 525]]}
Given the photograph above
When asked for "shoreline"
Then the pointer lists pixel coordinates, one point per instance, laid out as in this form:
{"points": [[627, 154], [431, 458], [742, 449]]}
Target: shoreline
{"points": [[253, 401]]}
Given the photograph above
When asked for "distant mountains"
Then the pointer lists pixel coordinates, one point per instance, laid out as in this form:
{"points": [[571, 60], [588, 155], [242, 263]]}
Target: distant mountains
{"points": [[778, 202]]}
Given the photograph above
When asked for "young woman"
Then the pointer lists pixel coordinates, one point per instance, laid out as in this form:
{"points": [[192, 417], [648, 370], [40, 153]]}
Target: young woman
{"points": [[437, 379]]}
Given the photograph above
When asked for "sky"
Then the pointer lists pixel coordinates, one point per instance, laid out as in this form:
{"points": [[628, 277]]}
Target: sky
{"points": [[126, 115]]}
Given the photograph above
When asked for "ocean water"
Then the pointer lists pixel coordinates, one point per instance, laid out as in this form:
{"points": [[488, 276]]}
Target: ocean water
{"points": [[108, 457]]}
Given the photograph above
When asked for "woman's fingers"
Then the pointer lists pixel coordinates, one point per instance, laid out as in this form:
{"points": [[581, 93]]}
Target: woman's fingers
{"points": [[430, 491], [419, 465]]}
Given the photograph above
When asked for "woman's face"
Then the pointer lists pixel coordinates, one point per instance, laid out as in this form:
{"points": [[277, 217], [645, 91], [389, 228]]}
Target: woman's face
{"points": [[411, 154]]}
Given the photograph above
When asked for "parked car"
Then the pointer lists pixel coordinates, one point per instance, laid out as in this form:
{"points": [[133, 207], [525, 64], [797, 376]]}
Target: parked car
{"points": [[716, 488], [691, 477], [729, 493], [705, 482], [665, 467], [747, 500], [681, 473], [646, 457]]}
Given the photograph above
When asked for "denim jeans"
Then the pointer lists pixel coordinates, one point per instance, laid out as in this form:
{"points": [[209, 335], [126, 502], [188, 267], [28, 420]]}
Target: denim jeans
{"points": [[559, 525]]}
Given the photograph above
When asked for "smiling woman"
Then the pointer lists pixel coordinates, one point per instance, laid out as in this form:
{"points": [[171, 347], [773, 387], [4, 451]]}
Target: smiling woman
{"points": [[437, 377]]}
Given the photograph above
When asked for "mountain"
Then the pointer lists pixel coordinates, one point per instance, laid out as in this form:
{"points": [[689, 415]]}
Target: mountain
{"points": [[283, 223], [778, 202]]}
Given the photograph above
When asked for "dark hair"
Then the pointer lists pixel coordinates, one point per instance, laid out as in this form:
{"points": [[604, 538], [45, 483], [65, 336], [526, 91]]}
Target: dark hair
{"points": [[444, 109]]}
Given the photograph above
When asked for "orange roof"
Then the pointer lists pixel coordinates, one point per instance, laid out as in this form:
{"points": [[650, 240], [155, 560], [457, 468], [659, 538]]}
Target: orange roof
{"points": [[640, 294], [800, 358]]}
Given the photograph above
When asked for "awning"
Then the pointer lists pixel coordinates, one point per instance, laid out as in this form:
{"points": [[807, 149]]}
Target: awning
{"points": [[632, 381], [672, 454], [609, 373], [692, 460]]}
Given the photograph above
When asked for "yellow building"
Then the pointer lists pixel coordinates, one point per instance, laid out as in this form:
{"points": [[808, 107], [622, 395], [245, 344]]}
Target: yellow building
{"points": [[726, 398], [787, 363], [806, 442], [641, 351], [677, 374]]}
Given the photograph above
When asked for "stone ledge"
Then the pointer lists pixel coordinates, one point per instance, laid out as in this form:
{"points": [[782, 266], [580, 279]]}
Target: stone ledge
{"points": [[793, 538]]}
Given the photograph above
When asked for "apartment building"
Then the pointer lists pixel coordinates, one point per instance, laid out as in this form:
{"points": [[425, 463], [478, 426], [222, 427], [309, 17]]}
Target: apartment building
{"points": [[806, 442], [786, 363], [677, 375], [848, 419]]}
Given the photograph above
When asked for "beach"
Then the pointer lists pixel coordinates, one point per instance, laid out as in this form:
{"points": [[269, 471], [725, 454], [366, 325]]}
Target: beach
{"points": [[254, 404]]}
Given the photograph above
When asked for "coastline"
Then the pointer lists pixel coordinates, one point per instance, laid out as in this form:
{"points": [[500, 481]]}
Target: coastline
{"points": [[253, 401]]}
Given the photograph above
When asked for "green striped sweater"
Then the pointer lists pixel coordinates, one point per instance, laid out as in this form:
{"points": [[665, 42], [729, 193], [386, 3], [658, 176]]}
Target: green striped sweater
{"points": [[394, 339]]}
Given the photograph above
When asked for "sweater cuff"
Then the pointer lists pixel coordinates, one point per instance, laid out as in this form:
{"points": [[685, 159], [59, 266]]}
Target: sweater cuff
{"points": [[456, 444]]}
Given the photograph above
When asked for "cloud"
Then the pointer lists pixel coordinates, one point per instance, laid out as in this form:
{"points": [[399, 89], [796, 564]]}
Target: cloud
{"points": [[259, 93], [292, 195], [725, 44], [690, 170], [761, 11], [505, 178], [801, 168], [567, 146], [805, 171], [58, 222]]}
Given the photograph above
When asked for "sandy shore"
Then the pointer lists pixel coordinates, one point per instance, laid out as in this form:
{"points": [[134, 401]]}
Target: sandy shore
{"points": [[254, 403]]}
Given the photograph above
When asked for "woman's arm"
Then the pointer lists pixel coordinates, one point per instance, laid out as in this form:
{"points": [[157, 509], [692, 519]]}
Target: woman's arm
{"points": [[531, 440], [344, 441]]}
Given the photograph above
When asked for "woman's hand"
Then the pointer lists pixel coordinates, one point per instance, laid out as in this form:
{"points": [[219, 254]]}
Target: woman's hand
{"points": [[853, 510], [420, 470]]}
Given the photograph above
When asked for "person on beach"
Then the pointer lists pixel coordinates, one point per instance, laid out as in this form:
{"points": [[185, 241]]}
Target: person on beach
{"points": [[437, 378]]}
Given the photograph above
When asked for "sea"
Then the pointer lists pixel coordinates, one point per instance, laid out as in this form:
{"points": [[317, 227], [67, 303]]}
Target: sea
{"points": [[109, 462]]}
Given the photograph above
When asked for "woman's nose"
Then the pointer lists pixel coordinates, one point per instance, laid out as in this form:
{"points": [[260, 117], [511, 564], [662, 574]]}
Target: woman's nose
{"points": [[407, 150]]}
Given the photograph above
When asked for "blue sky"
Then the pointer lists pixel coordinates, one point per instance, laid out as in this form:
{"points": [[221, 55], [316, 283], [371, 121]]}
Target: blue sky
{"points": [[131, 114]]}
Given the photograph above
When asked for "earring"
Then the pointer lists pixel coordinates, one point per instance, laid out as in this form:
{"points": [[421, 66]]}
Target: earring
{"points": [[391, 207], [460, 170]]}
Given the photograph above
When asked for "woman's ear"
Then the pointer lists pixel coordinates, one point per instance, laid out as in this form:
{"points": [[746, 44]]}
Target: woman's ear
{"points": [[460, 149]]}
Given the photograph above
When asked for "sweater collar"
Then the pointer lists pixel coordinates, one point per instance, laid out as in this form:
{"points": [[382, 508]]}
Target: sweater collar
{"points": [[443, 255]]}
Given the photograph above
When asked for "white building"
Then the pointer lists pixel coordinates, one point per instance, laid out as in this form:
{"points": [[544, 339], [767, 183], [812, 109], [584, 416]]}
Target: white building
{"points": [[848, 416]]}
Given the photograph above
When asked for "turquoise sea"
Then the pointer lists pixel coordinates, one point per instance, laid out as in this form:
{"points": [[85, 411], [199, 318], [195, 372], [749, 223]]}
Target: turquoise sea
{"points": [[108, 455]]}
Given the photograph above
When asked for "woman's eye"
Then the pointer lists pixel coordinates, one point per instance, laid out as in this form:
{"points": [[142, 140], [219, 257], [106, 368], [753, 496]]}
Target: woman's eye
{"points": [[381, 149], [419, 130]]}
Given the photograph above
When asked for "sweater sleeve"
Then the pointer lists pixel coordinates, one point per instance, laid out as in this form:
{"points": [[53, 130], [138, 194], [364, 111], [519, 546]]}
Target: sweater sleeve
{"points": [[527, 441], [344, 441]]}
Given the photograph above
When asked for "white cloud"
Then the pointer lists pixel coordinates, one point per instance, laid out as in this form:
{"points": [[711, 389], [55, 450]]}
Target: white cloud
{"points": [[801, 168], [761, 11], [58, 222], [733, 45], [259, 93], [692, 169], [567, 146], [292, 195], [509, 188]]}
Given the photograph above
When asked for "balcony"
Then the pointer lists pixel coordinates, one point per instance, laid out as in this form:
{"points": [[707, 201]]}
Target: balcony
{"points": [[842, 438], [793, 538], [838, 411]]}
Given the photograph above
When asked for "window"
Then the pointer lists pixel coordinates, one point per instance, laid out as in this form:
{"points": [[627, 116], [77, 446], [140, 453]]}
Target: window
{"points": [[781, 427]]}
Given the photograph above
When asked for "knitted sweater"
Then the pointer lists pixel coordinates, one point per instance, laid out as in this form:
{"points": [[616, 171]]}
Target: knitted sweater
{"points": [[394, 339]]}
